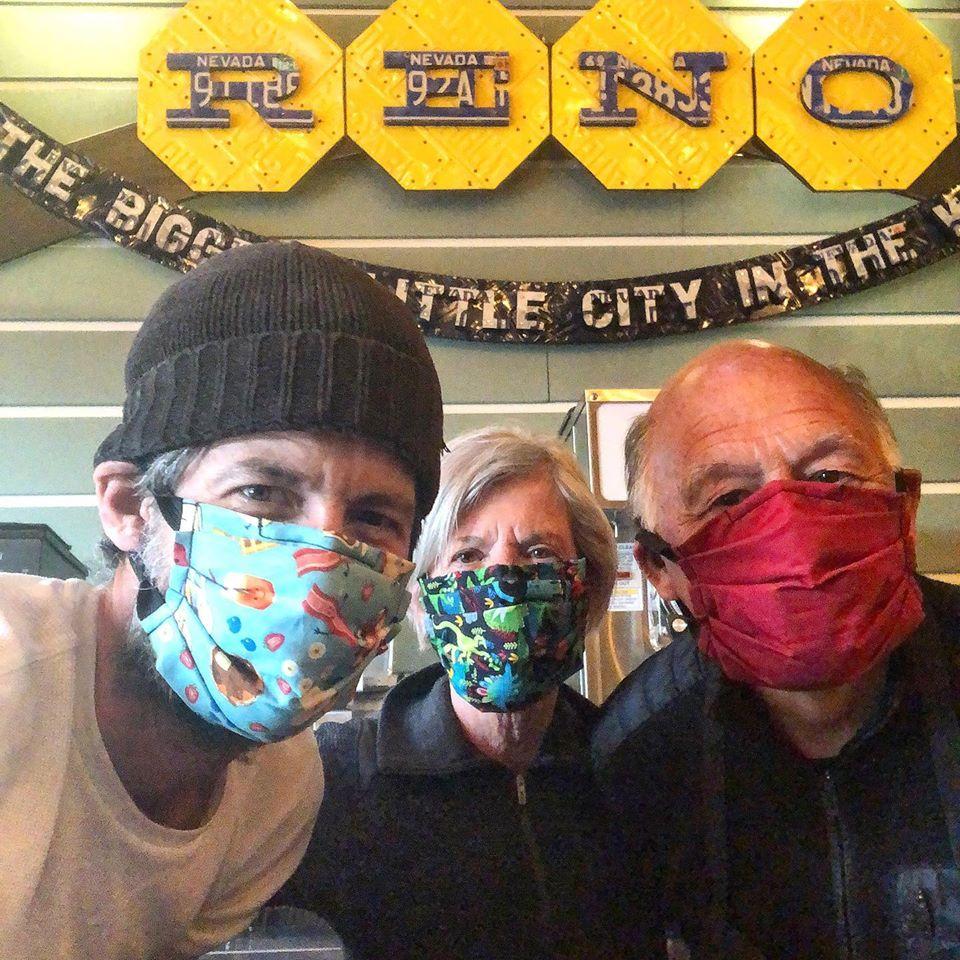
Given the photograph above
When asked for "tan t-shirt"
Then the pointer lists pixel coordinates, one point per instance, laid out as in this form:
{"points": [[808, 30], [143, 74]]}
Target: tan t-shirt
{"points": [[83, 873]]}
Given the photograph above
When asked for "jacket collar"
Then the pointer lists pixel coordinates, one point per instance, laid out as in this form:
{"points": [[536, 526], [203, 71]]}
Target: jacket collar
{"points": [[419, 733]]}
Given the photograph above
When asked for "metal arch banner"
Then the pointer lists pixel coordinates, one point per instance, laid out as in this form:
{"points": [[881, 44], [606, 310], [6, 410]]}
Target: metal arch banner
{"points": [[76, 189]]}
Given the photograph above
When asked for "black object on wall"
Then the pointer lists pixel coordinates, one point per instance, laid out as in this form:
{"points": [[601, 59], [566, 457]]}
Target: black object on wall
{"points": [[34, 548]]}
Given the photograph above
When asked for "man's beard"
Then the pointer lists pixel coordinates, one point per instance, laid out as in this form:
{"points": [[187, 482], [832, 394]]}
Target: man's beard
{"points": [[136, 664]]}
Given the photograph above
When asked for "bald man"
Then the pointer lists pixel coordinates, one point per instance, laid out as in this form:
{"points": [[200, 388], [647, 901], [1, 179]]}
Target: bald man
{"points": [[790, 765]]}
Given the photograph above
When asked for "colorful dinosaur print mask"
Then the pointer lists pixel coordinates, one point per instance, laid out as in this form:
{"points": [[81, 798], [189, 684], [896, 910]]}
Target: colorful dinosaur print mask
{"points": [[265, 625], [507, 634]]}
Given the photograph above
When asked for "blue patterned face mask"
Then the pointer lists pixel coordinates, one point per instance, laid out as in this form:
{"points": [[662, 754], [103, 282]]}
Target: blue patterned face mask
{"points": [[267, 625], [507, 634]]}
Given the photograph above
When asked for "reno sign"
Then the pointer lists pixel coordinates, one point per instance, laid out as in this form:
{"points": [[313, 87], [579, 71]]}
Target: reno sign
{"points": [[647, 94]]}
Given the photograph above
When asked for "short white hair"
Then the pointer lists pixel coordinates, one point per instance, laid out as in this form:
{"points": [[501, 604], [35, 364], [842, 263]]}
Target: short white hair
{"points": [[480, 462]]}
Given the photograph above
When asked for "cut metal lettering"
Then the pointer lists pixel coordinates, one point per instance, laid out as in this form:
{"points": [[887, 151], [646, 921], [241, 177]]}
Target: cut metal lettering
{"points": [[459, 85], [816, 104], [264, 96], [617, 71]]}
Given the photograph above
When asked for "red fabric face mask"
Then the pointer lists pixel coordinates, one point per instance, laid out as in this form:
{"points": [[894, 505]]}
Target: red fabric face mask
{"points": [[804, 585]]}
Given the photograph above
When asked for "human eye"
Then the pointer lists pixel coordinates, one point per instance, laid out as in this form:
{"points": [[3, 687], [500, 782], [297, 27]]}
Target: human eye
{"points": [[466, 557], [831, 476], [263, 500], [542, 551], [376, 520], [729, 499]]}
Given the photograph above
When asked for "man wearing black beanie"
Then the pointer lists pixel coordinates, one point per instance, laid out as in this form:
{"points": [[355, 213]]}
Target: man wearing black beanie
{"points": [[280, 443]]}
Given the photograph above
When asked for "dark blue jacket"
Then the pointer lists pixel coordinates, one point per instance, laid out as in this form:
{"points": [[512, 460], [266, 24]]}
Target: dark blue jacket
{"points": [[761, 853], [425, 850]]}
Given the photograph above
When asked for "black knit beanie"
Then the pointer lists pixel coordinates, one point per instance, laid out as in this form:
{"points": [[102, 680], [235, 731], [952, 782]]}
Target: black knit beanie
{"points": [[281, 336]]}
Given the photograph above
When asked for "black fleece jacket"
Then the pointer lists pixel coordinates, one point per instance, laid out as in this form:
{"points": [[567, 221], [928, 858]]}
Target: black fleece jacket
{"points": [[423, 849], [763, 854]]}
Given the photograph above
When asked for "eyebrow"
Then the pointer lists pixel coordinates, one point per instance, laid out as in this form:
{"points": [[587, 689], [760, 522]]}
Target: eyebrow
{"points": [[723, 470], [268, 470], [378, 500], [256, 466], [714, 472], [832, 443], [541, 536], [549, 536]]}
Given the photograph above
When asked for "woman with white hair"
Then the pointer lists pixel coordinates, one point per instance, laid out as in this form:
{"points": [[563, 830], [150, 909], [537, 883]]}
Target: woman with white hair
{"points": [[465, 822]]}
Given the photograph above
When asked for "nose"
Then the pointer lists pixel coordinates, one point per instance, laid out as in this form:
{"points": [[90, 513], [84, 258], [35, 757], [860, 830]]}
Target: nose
{"points": [[506, 552], [325, 512], [778, 471]]}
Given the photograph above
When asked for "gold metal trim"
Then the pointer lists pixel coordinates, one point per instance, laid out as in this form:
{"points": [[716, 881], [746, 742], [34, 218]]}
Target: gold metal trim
{"points": [[594, 399]]}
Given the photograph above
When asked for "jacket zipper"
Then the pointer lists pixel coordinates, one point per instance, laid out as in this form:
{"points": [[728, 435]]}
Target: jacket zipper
{"points": [[838, 862], [536, 862]]}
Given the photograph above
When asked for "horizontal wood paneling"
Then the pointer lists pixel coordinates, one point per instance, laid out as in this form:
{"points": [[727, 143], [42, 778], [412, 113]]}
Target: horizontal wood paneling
{"points": [[87, 368], [54, 456], [75, 37], [938, 544], [546, 424], [57, 369], [551, 194], [930, 440], [938, 534], [95, 106], [70, 369], [50, 456], [900, 361]]}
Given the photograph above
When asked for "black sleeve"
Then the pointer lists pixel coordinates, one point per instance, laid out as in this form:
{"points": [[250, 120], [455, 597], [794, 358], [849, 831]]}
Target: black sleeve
{"points": [[315, 883]]}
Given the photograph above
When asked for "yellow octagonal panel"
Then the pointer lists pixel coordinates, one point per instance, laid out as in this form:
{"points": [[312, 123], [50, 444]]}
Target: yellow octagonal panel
{"points": [[833, 56], [245, 95], [448, 96], [651, 94]]}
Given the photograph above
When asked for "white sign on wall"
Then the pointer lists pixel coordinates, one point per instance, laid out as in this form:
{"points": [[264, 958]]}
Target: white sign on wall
{"points": [[610, 414]]}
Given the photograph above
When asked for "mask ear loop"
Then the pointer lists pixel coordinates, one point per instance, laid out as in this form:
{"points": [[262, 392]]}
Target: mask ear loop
{"points": [[149, 597], [655, 545], [678, 616], [171, 509]]}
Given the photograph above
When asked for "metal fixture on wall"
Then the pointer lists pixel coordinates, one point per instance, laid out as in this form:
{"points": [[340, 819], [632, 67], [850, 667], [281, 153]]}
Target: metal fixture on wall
{"points": [[637, 623]]}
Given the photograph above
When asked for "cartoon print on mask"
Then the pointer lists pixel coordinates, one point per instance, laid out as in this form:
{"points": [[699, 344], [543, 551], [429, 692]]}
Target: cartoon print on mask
{"points": [[249, 591], [262, 641], [507, 634], [247, 544]]}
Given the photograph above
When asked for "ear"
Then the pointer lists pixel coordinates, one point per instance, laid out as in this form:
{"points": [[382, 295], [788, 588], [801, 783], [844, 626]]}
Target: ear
{"points": [[667, 578], [908, 483], [121, 509]]}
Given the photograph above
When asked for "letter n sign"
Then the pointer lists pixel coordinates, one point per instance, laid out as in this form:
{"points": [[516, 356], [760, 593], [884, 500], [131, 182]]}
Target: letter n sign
{"points": [[616, 71], [651, 94]]}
